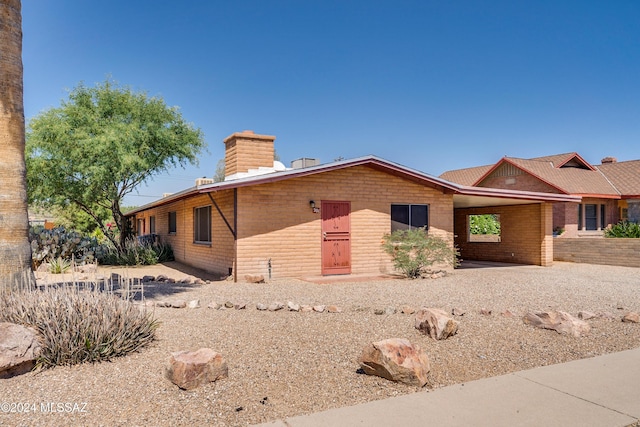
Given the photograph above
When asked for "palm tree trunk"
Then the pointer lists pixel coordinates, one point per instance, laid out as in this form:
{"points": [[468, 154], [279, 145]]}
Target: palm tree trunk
{"points": [[15, 250]]}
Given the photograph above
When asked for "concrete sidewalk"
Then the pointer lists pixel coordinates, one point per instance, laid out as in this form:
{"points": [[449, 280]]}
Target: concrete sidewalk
{"points": [[600, 391]]}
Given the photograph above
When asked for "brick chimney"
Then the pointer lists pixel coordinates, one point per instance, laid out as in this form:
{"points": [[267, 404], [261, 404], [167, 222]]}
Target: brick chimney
{"points": [[609, 160], [246, 150]]}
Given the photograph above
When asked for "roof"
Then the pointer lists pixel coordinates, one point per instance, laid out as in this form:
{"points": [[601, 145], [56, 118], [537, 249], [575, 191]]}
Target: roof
{"points": [[568, 173], [624, 176], [499, 196]]}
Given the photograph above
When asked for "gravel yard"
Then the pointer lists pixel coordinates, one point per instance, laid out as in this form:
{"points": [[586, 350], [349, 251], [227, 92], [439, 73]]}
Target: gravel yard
{"points": [[283, 364]]}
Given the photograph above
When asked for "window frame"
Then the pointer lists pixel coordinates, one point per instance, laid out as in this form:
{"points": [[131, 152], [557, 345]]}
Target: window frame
{"points": [[152, 224], [172, 230], [197, 213], [409, 224]]}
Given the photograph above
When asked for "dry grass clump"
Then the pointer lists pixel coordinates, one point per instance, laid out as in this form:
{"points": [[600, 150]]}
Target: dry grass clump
{"points": [[79, 325]]}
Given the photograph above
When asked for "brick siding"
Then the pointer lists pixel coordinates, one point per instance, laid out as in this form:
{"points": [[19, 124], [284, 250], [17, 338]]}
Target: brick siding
{"points": [[622, 252]]}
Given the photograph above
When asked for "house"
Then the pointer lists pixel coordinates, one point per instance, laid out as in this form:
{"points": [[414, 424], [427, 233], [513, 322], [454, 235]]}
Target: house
{"points": [[327, 219], [609, 192]]}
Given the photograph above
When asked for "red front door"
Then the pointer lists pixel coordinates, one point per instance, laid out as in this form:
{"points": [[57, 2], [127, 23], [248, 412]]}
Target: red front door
{"points": [[336, 237]]}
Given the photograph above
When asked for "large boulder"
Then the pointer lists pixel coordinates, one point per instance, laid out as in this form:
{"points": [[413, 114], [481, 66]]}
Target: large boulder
{"points": [[435, 323], [559, 321], [396, 359], [19, 349], [191, 369]]}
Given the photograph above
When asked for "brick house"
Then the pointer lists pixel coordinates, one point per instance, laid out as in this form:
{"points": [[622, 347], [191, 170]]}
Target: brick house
{"points": [[609, 192], [330, 218]]}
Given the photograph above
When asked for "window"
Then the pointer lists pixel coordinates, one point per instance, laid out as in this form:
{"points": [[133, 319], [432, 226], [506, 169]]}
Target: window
{"points": [[141, 228], [484, 228], [406, 217], [202, 224], [591, 217], [173, 223], [152, 225]]}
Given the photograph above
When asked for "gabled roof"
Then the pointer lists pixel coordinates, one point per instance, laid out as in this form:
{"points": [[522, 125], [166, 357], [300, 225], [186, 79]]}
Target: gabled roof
{"points": [[624, 176], [504, 196], [567, 173]]}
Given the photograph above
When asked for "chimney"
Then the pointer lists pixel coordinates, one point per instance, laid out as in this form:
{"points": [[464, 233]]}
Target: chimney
{"points": [[246, 150], [609, 160]]}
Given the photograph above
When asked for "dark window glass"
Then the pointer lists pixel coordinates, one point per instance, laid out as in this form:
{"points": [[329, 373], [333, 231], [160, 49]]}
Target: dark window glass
{"points": [[405, 217], [590, 217], [173, 223], [152, 224], [202, 224]]}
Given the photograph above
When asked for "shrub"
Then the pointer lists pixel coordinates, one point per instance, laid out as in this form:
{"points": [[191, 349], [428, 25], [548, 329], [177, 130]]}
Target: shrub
{"points": [[59, 265], [136, 253], [60, 243], [484, 224], [414, 251], [79, 326], [624, 229]]}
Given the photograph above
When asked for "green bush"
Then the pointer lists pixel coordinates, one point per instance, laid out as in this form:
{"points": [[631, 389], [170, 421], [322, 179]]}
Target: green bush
{"points": [[59, 265], [624, 229], [79, 326], [414, 251], [136, 253], [59, 243], [484, 224]]}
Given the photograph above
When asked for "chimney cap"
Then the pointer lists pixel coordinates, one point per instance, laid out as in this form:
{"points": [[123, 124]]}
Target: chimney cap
{"points": [[248, 134], [609, 160]]}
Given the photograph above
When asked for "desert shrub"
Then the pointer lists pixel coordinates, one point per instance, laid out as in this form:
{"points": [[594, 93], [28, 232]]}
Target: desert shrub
{"points": [[624, 229], [59, 265], [48, 245], [414, 251], [79, 326], [136, 253]]}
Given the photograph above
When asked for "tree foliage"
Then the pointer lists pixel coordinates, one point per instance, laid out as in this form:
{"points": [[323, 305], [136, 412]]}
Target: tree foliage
{"points": [[484, 224], [99, 145], [623, 229]]}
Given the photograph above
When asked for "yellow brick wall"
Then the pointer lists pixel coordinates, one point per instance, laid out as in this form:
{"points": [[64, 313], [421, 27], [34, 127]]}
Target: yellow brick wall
{"points": [[246, 150], [526, 235]]}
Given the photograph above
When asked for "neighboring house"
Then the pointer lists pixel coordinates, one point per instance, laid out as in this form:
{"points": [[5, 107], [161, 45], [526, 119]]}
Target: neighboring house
{"points": [[609, 192], [330, 218]]}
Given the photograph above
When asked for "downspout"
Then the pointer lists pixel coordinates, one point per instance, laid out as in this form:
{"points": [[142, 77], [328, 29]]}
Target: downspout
{"points": [[235, 235]]}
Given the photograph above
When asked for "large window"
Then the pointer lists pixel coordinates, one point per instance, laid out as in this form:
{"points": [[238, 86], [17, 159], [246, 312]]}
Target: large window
{"points": [[202, 224], [406, 217], [152, 225], [591, 217], [173, 223]]}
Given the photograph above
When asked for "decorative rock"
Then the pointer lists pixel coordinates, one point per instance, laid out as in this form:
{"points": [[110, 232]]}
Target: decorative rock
{"points": [[179, 304], [485, 312], [146, 279], [559, 321], [438, 275], [198, 282], [586, 315], [191, 369], [229, 304], [457, 312], [261, 307], [194, 304], [170, 280], [507, 313], [186, 281], [306, 308], [214, 305], [334, 309], [319, 308], [254, 278], [161, 278], [605, 315], [275, 306], [631, 317], [19, 349], [407, 310], [435, 323], [378, 311], [396, 359], [163, 304], [240, 305], [390, 310], [291, 306]]}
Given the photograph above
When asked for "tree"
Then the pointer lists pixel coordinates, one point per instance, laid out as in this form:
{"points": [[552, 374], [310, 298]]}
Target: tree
{"points": [[15, 251], [99, 145]]}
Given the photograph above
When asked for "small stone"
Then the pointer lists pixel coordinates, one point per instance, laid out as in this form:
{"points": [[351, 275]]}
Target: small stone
{"points": [[170, 280], [250, 278], [305, 308], [605, 315], [390, 310], [186, 281], [240, 305], [507, 313], [179, 304], [407, 310], [319, 308], [146, 279], [163, 304], [334, 309], [261, 307], [149, 303], [378, 311], [214, 305], [161, 278], [275, 306], [485, 312], [631, 317], [229, 304], [457, 312], [586, 315], [193, 303], [291, 306]]}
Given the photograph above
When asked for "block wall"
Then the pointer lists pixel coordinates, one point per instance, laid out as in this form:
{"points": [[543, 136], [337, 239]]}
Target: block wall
{"points": [[623, 252]]}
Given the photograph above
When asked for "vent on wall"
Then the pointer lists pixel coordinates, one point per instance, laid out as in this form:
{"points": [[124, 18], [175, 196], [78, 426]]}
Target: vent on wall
{"points": [[204, 181], [304, 163]]}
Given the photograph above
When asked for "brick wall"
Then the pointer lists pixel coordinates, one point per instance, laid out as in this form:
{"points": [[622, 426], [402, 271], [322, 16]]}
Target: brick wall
{"points": [[524, 182], [246, 150], [526, 235], [623, 252]]}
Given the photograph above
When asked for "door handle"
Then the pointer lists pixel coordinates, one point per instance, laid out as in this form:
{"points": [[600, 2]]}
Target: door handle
{"points": [[324, 235]]}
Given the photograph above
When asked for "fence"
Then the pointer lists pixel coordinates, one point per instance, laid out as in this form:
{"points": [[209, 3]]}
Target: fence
{"points": [[622, 252]]}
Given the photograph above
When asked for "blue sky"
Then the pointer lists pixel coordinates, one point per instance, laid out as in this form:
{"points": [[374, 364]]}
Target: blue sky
{"points": [[432, 85]]}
